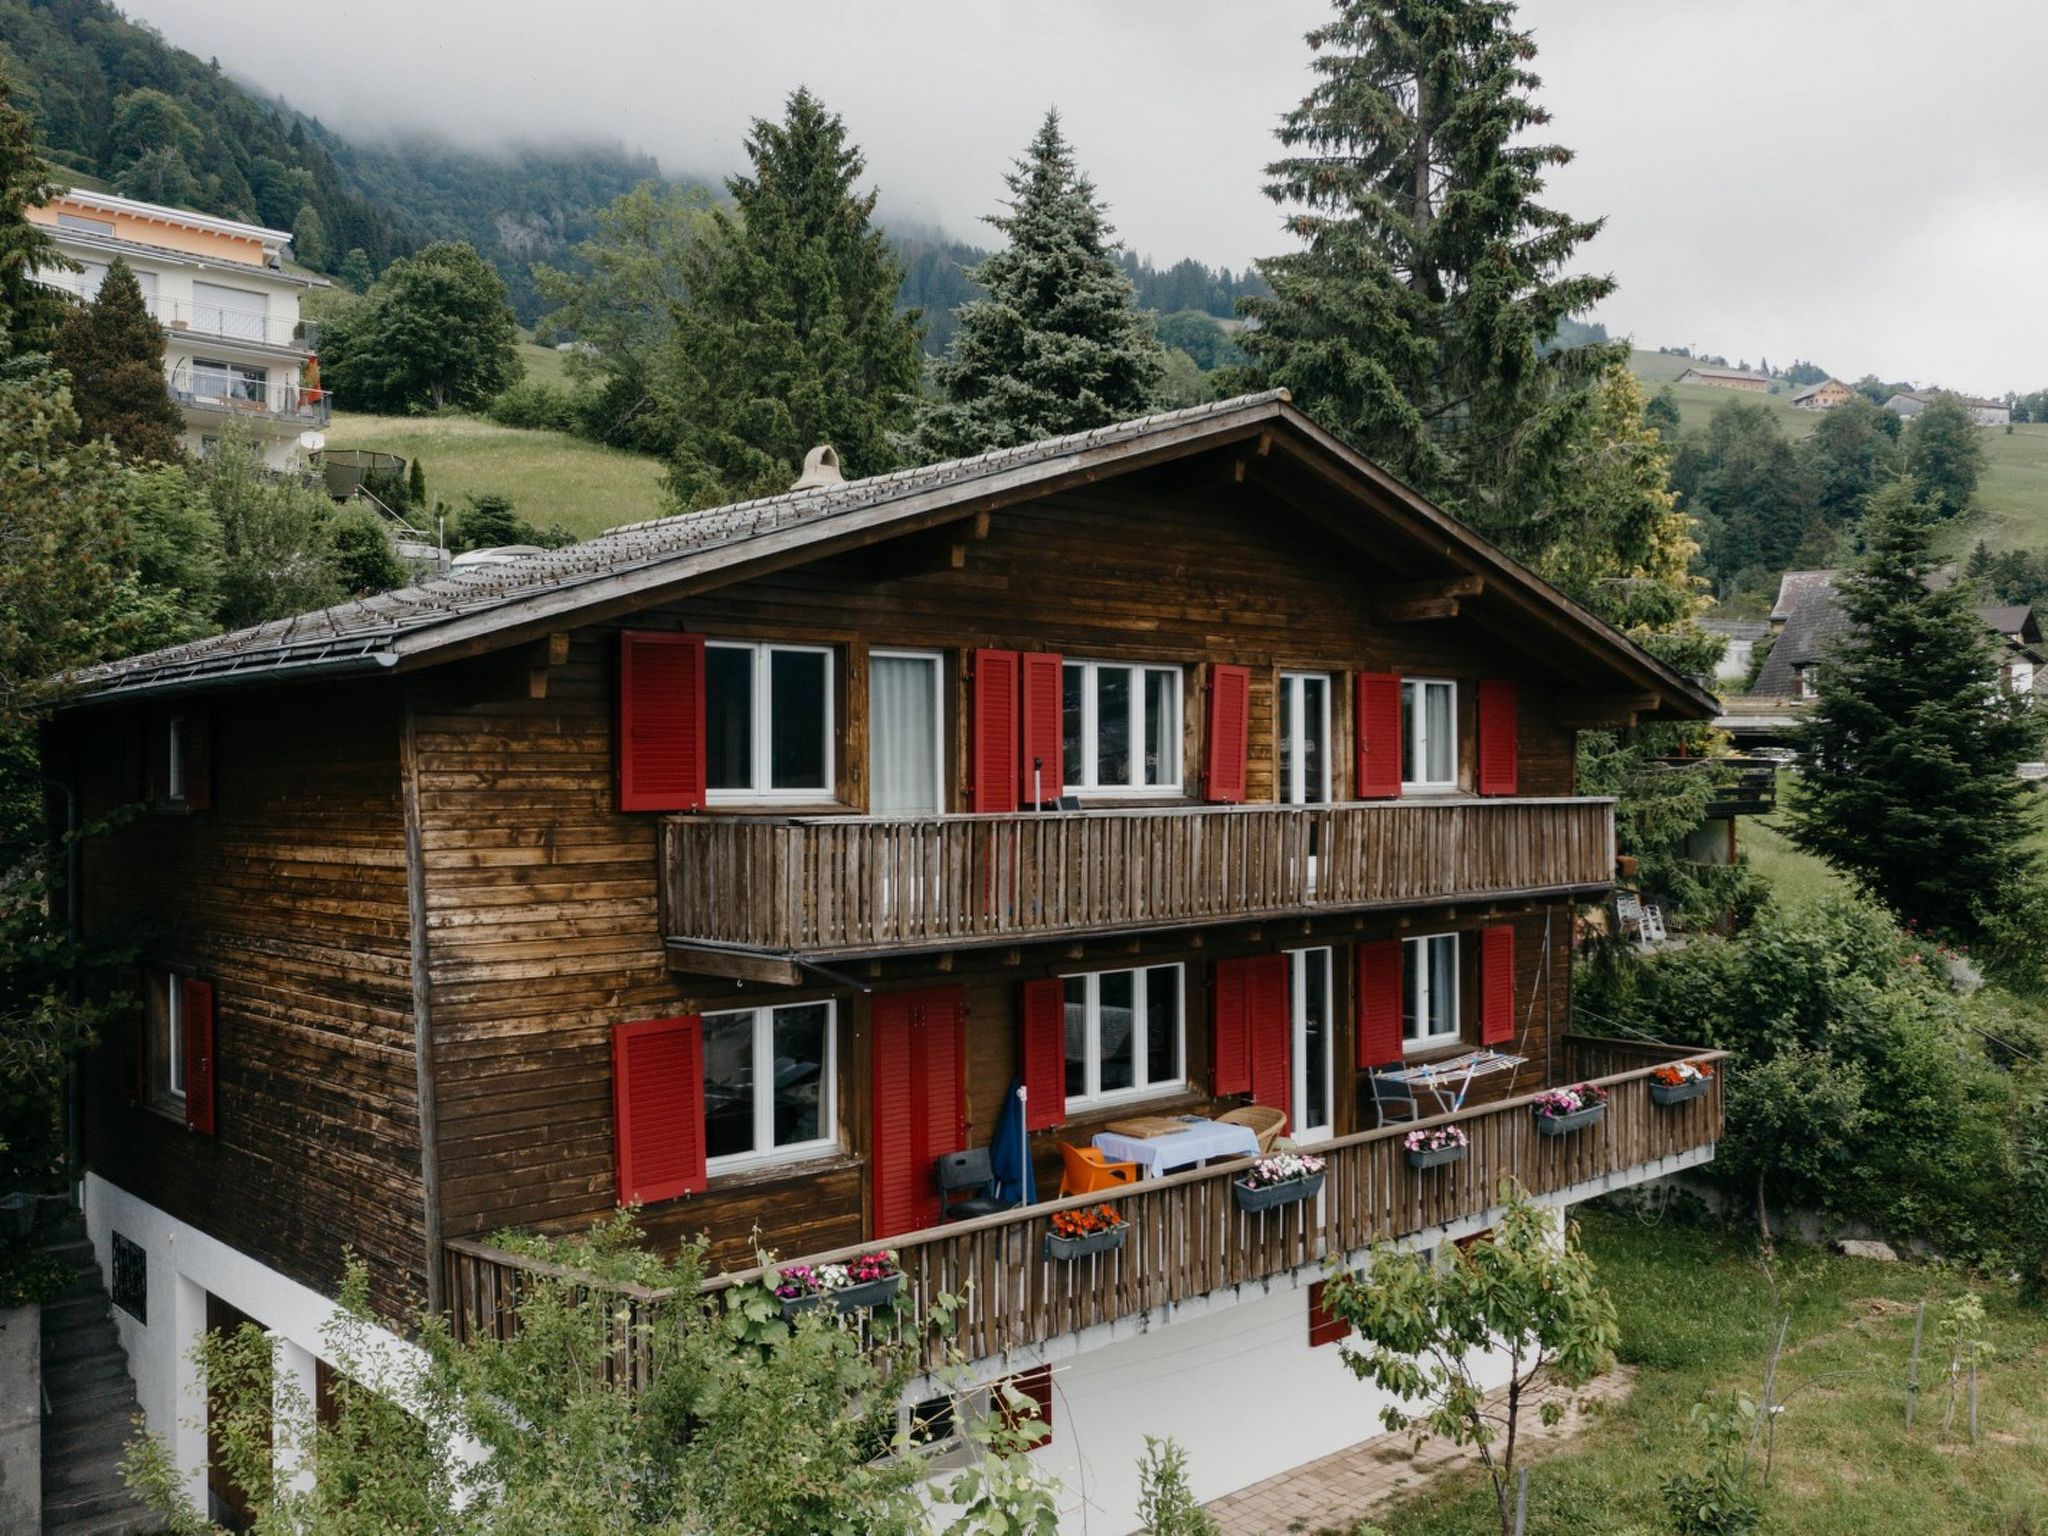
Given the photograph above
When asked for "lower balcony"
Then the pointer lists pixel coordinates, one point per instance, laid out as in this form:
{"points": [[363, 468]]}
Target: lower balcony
{"points": [[1189, 1245], [859, 885]]}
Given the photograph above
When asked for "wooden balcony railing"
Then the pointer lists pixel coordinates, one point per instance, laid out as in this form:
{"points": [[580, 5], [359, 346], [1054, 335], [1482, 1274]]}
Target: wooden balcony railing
{"points": [[856, 884], [1187, 1237]]}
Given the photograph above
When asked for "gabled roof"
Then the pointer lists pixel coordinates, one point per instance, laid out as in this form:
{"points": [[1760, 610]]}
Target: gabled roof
{"points": [[1793, 588], [1813, 389], [645, 564], [1713, 371], [1811, 610]]}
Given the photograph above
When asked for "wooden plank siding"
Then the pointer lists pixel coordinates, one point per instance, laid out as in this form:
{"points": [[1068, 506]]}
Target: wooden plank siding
{"points": [[543, 902], [289, 896]]}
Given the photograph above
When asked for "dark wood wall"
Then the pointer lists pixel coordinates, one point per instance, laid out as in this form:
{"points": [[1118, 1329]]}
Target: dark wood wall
{"points": [[289, 896], [541, 898]]}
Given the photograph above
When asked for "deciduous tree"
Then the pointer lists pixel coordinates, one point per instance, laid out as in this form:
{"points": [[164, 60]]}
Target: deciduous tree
{"points": [[1414, 319], [1944, 453], [1056, 345], [433, 331]]}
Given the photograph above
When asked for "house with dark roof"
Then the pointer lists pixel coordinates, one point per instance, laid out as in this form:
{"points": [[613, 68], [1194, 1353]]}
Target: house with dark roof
{"points": [[1824, 396], [1099, 809], [1726, 378]]}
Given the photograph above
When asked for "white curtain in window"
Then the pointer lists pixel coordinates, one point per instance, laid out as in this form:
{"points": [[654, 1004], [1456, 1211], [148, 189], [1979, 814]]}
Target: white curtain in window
{"points": [[903, 725]]}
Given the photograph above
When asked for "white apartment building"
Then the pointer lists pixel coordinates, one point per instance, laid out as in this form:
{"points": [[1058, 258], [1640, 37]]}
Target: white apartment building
{"points": [[235, 348]]}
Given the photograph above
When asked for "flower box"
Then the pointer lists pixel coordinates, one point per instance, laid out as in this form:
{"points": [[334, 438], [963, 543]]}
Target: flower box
{"points": [[1578, 1119], [1265, 1197], [1436, 1157], [1106, 1240], [848, 1298], [1678, 1093]]}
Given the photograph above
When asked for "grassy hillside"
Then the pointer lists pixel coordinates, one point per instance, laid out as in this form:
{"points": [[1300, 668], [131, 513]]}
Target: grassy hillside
{"points": [[1696, 402], [2012, 498], [550, 476]]}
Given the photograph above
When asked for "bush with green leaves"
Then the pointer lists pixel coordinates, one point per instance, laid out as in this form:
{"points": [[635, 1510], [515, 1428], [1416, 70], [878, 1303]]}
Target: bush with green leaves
{"points": [[1166, 1504], [1718, 1501], [539, 406], [1854, 1085]]}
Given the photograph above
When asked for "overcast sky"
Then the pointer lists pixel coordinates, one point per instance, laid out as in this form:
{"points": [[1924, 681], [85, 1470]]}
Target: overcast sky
{"points": [[1852, 181]]}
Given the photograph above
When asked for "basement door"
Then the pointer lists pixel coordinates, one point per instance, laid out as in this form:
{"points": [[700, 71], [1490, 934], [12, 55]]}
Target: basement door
{"points": [[915, 1051], [228, 1503]]}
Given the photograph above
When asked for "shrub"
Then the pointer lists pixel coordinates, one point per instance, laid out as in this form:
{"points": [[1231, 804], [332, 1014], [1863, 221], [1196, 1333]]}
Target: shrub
{"points": [[536, 405], [364, 560]]}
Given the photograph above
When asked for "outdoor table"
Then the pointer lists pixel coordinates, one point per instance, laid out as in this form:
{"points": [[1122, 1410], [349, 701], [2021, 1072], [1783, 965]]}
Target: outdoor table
{"points": [[1436, 1076], [1201, 1140]]}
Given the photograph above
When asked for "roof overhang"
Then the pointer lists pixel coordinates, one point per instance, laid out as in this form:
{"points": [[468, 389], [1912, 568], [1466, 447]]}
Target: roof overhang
{"points": [[1269, 427]]}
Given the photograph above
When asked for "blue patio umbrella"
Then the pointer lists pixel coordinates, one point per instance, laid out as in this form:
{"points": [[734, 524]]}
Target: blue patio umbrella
{"points": [[1010, 1156]]}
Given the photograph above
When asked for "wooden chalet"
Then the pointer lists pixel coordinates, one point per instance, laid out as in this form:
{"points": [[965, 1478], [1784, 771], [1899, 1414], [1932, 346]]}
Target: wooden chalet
{"points": [[740, 864]]}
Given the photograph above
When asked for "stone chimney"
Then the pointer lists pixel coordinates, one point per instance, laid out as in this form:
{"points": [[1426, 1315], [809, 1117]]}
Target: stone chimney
{"points": [[821, 468]]}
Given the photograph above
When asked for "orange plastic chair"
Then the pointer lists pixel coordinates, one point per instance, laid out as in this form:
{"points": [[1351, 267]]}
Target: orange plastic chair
{"points": [[1083, 1170]]}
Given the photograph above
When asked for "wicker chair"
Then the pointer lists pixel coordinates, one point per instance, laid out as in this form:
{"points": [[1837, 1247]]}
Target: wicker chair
{"points": [[1263, 1120]]}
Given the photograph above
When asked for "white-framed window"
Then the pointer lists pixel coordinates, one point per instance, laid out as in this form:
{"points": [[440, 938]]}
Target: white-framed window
{"points": [[906, 733], [1429, 733], [768, 722], [2021, 678], [1126, 1034], [214, 380], [1121, 725], [1313, 1046], [1429, 992], [1809, 681], [1304, 738], [770, 1084], [164, 1008]]}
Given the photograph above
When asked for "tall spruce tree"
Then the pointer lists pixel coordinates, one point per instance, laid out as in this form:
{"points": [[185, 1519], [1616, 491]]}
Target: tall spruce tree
{"points": [[114, 351], [1415, 319], [1909, 783], [29, 310], [791, 335], [1058, 344]]}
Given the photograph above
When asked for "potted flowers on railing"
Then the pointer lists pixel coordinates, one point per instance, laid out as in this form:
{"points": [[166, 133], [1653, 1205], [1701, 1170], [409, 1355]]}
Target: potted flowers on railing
{"points": [[1282, 1179], [1091, 1229], [1678, 1081], [1560, 1111], [872, 1280], [1435, 1146]]}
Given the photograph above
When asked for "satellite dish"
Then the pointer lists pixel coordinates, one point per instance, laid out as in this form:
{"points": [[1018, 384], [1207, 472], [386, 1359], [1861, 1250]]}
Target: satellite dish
{"points": [[312, 442]]}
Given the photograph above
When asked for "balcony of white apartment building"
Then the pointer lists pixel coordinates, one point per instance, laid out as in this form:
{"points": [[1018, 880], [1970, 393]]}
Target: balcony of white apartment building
{"points": [[215, 391], [237, 317]]}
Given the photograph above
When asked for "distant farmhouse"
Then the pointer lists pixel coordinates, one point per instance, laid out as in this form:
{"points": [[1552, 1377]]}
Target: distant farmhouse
{"points": [[1808, 618], [1726, 378], [1986, 413], [1824, 396]]}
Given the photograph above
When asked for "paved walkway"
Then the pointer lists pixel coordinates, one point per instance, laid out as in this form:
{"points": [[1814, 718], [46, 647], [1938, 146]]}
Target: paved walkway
{"points": [[1332, 1494]]}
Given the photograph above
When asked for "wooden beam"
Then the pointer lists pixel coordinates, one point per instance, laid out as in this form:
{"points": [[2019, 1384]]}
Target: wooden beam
{"points": [[736, 964], [1584, 709], [419, 954], [1408, 601], [549, 651]]}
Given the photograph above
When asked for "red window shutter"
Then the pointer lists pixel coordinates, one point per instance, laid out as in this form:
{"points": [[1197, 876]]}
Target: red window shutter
{"points": [[918, 1102], [1324, 1327], [1499, 731], [1379, 1003], [1041, 763], [658, 1108], [1230, 691], [1035, 1387], [1379, 736], [1044, 1009], [195, 757], [661, 721], [994, 784], [1497, 984], [1268, 1007], [195, 1001], [1230, 1053]]}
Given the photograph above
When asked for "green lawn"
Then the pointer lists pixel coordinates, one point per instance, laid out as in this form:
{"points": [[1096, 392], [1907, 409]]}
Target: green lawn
{"points": [[1697, 1317], [2012, 496], [1697, 402], [1796, 876], [544, 365], [550, 476]]}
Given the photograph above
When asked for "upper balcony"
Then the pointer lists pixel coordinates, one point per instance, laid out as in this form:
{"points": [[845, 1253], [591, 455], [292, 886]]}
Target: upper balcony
{"points": [[859, 885]]}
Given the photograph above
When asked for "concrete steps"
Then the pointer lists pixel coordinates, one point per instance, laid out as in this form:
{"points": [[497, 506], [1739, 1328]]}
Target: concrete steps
{"points": [[92, 1407]]}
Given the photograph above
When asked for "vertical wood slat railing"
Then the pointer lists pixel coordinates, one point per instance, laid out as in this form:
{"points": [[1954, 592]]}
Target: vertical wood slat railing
{"points": [[1187, 1238], [830, 884]]}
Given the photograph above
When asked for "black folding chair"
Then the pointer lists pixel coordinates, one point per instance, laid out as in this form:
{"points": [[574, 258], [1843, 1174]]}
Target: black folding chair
{"points": [[1393, 1099], [969, 1175]]}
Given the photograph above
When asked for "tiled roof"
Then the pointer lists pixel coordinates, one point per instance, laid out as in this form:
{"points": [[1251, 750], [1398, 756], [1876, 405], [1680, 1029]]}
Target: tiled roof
{"points": [[376, 631]]}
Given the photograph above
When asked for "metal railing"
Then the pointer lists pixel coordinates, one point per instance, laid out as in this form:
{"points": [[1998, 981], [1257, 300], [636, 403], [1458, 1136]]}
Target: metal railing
{"points": [[187, 317], [235, 394]]}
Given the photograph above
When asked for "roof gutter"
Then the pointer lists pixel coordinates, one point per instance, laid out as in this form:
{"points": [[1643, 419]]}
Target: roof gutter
{"points": [[363, 664]]}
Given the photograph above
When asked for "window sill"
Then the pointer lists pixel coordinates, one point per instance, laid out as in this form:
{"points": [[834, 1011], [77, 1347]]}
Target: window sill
{"points": [[1182, 1097], [172, 1110], [777, 808], [1423, 1052], [802, 1165]]}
